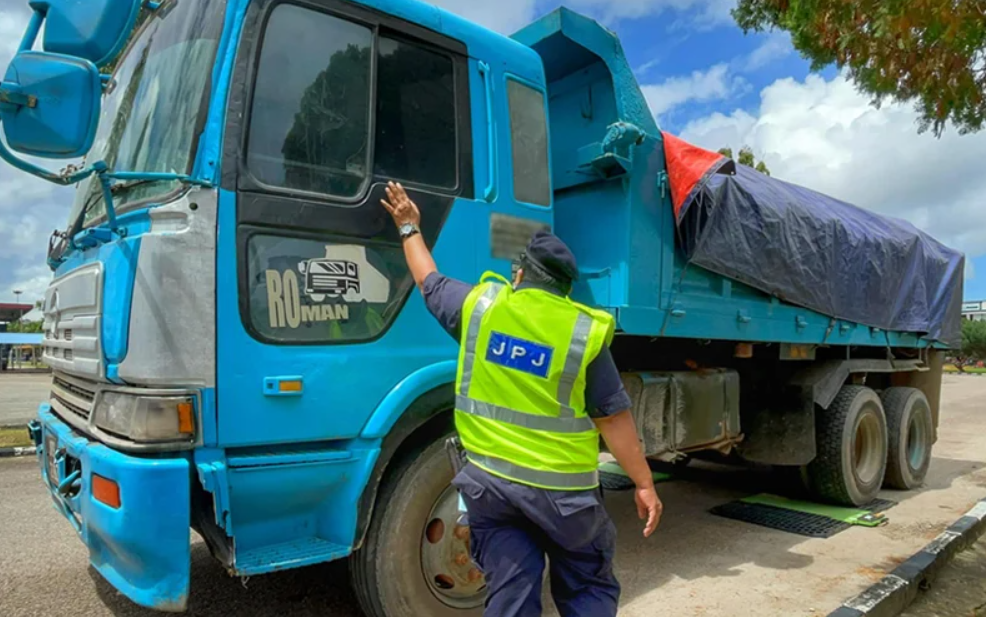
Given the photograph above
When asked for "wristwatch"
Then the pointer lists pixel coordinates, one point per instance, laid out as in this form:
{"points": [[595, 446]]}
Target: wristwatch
{"points": [[408, 229]]}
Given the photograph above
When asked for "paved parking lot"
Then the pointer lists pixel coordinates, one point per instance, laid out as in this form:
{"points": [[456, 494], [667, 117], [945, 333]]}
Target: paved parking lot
{"points": [[696, 564], [20, 394]]}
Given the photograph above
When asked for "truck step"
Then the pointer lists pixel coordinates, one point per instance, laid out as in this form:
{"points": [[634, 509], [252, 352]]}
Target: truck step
{"points": [[293, 554]]}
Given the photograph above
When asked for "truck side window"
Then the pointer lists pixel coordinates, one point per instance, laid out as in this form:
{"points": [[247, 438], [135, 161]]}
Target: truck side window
{"points": [[415, 115], [529, 137], [309, 129], [311, 107]]}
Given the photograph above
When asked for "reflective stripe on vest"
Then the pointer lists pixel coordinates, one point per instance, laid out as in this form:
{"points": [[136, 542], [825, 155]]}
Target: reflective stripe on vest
{"points": [[573, 363], [587, 480], [483, 304], [519, 418]]}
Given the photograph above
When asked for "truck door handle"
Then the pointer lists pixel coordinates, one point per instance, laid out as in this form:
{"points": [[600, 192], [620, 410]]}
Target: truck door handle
{"points": [[490, 193]]}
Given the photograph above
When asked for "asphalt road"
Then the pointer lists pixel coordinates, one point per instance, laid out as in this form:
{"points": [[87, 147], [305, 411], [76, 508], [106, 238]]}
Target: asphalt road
{"points": [[20, 394], [696, 564]]}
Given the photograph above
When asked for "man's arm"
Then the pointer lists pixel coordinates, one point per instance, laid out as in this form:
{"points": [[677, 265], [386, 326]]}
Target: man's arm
{"points": [[608, 406], [620, 434], [405, 211]]}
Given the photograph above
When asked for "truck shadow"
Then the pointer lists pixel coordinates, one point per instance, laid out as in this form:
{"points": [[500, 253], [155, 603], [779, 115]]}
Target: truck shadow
{"points": [[317, 590], [690, 544]]}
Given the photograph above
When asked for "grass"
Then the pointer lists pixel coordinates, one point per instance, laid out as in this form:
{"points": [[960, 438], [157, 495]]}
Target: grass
{"points": [[972, 370], [14, 437]]}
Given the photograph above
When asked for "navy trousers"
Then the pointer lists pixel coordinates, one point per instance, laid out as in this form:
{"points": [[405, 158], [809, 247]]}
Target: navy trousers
{"points": [[514, 527]]}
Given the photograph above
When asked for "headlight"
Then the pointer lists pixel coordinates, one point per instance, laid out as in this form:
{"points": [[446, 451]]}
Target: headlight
{"points": [[146, 418]]}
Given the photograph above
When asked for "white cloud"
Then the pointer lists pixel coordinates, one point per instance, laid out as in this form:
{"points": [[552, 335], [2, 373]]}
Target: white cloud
{"points": [[826, 136], [505, 16], [774, 47], [716, 83], [970, 270], [11, 30]]}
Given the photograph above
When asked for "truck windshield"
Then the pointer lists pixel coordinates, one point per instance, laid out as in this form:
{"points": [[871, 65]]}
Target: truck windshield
{"points": [[154, 104]]}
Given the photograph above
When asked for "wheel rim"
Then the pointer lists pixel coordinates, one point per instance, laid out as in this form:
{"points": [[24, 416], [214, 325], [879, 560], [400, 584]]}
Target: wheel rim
{"points": [[917, 440], [445, 562], [867, 454]]}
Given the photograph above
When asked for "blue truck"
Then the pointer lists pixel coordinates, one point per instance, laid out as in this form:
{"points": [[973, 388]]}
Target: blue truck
{"points": [[236, 343]]}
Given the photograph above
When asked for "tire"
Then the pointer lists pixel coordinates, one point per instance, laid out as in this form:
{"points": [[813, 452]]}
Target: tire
{"points": [[911, 437], [389, 573], [851, 443]]}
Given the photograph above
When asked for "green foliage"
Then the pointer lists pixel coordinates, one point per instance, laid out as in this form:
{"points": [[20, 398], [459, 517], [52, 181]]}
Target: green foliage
{"points": [[746, 157], [929, 52], [26, 327], [973, 341]]}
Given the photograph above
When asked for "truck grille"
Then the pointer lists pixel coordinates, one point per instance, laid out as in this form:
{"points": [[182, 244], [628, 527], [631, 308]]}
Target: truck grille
{"points": [[72, 327], [72, 396]]}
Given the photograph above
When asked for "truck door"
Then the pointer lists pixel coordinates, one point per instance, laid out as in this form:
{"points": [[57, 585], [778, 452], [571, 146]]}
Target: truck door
{"points": [[317, 319]]}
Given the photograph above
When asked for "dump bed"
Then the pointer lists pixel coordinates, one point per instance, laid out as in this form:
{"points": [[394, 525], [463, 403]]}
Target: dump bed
{"points": [[747, 257]]}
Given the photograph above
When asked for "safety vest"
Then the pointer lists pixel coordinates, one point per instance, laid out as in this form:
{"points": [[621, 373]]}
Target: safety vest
{"points": [[520, 389]]}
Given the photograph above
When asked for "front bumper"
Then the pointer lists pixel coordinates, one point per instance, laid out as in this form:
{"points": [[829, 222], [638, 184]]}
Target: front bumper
{"points": [[142, 547]]}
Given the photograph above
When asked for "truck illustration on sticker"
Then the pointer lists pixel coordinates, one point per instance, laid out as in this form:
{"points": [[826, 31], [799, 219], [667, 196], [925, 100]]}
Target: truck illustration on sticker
{"points": [[344, 272], [331, 277]]}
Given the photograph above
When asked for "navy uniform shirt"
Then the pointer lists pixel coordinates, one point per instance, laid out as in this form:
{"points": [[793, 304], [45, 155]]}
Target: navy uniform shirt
{"points": [[604, 391]]}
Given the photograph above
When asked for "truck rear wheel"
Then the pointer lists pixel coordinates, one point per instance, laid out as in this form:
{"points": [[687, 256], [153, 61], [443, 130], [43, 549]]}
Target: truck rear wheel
{"points": [[415, 559], [910, 428], [851, 439]]}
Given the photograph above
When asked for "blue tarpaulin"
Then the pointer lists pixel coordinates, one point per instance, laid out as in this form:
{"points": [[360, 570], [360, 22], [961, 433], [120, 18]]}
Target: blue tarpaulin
{"points": [[812, 250]]}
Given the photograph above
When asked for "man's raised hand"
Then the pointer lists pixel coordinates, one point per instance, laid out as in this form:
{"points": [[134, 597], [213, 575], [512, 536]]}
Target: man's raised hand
{"points": [[400, 206]]}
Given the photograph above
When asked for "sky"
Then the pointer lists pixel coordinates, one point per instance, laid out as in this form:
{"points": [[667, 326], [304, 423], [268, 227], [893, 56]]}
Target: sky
{"points": [[705, 81]]}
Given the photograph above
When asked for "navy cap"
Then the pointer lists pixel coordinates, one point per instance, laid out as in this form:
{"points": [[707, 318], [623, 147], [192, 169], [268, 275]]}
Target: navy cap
{"points": [[548, 251]]}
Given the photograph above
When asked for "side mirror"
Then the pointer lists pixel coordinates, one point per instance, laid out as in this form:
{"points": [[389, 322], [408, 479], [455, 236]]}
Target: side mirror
{"points": [[49, 105], [94, 29]]}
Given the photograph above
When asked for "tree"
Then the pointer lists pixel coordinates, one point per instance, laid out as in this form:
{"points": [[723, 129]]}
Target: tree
{"points": [[746, 157], [32, 327], [973, 342], [930, 52]]}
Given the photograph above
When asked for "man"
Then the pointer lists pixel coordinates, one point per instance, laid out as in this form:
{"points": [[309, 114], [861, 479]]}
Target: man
{"points": [[536, 387]]}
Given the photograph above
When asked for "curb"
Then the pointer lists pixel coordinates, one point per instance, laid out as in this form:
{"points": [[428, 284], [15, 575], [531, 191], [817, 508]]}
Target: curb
{"points": [[895, 591], [12, 452]]}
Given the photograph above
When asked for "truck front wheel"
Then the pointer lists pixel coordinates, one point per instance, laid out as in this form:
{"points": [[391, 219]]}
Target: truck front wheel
{"points": [[415, 559], [851, 440], [909, 424]]}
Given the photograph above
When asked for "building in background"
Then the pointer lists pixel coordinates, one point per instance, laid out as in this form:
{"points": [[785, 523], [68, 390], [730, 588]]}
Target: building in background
{"points": [[20, 350], [974, 311]]}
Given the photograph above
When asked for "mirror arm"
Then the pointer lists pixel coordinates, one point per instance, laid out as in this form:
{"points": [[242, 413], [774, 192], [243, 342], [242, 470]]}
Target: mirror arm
{"points": [[11, 94], [33, 29], [69, 176], [107, 183]]}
